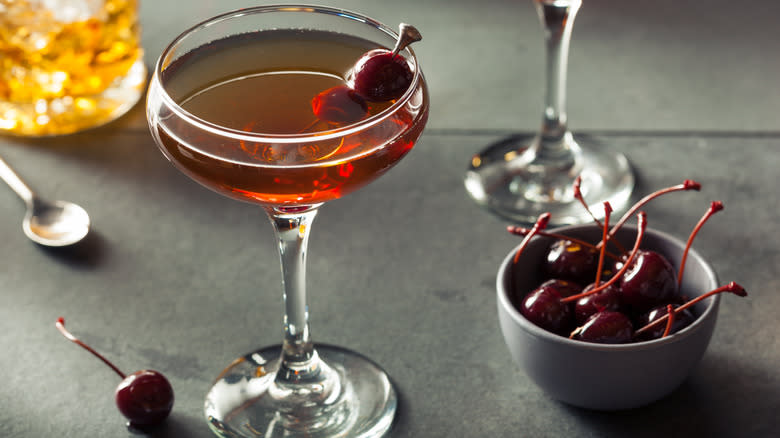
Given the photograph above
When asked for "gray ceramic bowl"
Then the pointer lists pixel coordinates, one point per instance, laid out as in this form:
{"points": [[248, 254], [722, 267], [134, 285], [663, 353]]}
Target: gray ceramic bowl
{"points": [[599, 376]]}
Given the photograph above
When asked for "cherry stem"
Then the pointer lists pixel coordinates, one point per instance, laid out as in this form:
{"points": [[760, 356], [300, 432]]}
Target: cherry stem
{"points": [[641, 226], [688, 184], [541, 223], [521, 231], [60, 324], [731, 287], [407, 34], [715, 207], [669, 321], [607, 213], [578, 196]]}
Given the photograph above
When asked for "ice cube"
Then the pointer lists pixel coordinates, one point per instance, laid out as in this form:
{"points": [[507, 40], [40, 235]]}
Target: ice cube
{"points": [[71, 11]]}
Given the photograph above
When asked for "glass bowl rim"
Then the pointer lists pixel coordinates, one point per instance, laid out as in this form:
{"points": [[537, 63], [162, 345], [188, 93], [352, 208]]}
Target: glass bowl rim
{"points": [[260, 137]]}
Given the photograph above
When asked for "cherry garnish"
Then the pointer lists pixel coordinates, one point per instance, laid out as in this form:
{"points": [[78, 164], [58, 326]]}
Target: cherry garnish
{"points": [[339, 105], [145, 397], [381, 74]]}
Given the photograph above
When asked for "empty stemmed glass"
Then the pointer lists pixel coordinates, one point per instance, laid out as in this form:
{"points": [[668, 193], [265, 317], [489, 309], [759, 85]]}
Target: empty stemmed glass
{"points": [[520, 177], [229, 106]]}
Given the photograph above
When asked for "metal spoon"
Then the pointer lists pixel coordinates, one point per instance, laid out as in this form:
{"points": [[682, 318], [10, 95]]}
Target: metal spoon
{"points": [[57, 223]]}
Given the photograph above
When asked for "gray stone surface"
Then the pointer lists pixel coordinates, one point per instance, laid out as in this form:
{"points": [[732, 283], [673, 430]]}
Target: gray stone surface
{"points": [[176, 278]]}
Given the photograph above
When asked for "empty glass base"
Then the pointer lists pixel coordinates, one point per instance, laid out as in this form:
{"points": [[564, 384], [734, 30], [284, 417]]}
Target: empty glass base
{"points": [[507, 182], [242, 401]]}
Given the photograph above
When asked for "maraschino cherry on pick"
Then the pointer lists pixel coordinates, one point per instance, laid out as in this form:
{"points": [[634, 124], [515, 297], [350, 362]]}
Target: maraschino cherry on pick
{"points": [[383, 74], [380, 75], [145, 397], [339, 105]]}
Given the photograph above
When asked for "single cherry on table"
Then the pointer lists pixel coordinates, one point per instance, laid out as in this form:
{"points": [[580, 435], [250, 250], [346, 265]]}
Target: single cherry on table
{"points": [[144, 397]]}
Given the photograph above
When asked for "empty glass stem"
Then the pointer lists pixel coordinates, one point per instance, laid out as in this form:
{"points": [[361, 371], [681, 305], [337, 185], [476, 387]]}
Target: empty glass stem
{"points": [[557, 17]]}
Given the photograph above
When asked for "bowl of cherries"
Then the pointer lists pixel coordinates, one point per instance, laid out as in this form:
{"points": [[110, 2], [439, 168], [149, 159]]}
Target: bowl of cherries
{"points": [[608, 317]]}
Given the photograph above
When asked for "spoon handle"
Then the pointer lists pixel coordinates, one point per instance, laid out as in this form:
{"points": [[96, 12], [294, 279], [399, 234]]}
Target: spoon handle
{"points": [[12, 179]]}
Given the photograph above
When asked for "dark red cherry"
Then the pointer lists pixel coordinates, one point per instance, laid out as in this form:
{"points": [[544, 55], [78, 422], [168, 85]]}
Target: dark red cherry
{"points": [[381, 75], [339, 105], [145, 397], [543, 307], [682, 319], [606, 299], [563, 287], [649, 281], [607, 327], [572, 261]]}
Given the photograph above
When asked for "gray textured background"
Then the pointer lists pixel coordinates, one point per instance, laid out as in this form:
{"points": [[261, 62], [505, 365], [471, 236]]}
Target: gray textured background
{"points": [[176, 278]]}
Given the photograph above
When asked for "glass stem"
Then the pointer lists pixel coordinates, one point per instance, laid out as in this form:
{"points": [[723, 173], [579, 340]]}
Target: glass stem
{"points": [[305, 389], [557, 17], [292, 226]]}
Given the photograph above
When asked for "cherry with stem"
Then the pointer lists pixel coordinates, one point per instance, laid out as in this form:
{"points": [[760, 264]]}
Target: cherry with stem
{"points": [[383, 75], [641, 226], [522, 231], [144, 397], [731, 287], [379, 75]]}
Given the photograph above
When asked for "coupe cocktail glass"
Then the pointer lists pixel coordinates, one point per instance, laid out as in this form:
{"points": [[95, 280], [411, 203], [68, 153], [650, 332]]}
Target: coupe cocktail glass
{"points": [[219, 107], [521, 177]]}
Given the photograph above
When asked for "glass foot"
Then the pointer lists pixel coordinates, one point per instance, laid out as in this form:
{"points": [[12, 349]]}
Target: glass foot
{"points": [[505, 179], [243, 401]]}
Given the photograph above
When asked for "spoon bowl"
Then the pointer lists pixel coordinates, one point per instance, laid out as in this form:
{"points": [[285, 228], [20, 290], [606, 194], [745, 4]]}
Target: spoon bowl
{"points": [[57, 223]]}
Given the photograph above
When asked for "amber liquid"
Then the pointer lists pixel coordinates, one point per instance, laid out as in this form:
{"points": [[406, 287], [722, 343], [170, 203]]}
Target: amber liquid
{"points": [[63, 69], [264, 83]]}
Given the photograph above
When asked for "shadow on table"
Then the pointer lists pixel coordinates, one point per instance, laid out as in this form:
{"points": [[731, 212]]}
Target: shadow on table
{"points": [[175, 426], [725, 397], [86, 254]]}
